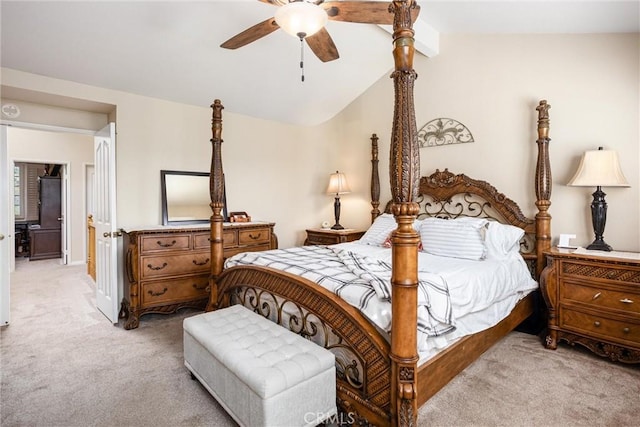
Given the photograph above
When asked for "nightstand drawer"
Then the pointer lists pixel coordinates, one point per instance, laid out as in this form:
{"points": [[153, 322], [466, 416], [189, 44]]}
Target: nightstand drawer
{"points": [[623, 331], [588, 271], [598, 297], [329, 236]]}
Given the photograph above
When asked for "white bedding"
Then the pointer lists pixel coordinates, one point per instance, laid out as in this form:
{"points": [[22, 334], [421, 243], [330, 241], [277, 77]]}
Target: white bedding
{"points": [[481, 293]]}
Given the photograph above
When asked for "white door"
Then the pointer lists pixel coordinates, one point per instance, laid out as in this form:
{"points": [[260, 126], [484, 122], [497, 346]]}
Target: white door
{"points": [[105, 222], [4, 228]]}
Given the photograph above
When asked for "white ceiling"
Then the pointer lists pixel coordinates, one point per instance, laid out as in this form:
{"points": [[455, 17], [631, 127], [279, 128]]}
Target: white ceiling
{"points": [[170, 49]]}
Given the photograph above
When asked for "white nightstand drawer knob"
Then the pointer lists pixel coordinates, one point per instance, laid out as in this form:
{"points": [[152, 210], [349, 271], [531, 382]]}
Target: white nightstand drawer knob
{"points": [[626, 301]]}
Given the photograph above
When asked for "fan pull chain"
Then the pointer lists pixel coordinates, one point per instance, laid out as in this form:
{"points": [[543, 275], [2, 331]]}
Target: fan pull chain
{"points": [[301, 36]]}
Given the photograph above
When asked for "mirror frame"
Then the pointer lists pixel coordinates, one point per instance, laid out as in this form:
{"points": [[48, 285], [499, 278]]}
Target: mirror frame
{"points": [[163, 188]]}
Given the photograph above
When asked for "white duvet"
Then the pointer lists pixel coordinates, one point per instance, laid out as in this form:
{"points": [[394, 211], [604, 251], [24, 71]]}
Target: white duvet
{"points": [[482, 293]]}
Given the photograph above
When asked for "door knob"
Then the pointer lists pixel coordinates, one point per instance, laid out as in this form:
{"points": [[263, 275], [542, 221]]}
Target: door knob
{"points": [[114, 234], [1, 236]]}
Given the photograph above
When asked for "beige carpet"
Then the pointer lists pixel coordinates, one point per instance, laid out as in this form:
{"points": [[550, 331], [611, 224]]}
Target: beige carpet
{"points": [[64, 364]]}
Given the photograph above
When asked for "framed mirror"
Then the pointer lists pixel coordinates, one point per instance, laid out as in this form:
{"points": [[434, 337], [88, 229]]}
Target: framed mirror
{"points": [[185, 197]]}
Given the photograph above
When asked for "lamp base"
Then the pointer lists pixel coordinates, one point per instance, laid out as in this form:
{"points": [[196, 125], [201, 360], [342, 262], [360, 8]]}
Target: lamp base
{"points": [[337, 227], [599, 245]]}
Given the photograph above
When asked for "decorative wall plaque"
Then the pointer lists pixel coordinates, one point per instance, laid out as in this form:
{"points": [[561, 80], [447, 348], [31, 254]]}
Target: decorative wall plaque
{"points": [[443, 131]]}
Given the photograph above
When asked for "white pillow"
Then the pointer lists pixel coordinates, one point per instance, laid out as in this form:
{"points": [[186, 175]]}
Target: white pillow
{"points": [[454, 238], [382, 226], [381, 230], [502, 240]]}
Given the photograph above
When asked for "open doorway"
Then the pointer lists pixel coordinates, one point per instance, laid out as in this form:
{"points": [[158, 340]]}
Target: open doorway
{"points": [[37, 207], [61, 159]]}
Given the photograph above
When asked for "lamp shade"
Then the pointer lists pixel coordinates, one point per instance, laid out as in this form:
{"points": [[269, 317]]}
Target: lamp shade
{"points": [[301, 18], [338, 184], [599, 168]]}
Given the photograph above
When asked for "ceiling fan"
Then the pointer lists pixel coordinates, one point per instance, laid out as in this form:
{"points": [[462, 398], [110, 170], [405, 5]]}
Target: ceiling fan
{"points": [[293, 14]]}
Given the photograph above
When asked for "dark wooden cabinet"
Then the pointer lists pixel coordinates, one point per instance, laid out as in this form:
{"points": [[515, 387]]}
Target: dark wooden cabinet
{"points": [[45, 237]]}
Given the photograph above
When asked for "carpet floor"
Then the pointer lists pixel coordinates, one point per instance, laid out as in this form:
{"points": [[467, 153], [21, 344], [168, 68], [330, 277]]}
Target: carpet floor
{"points": [[64, 364]]}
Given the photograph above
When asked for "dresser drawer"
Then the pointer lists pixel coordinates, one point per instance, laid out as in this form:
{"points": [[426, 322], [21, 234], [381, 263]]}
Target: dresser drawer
{"points": [[589, 272], [622, 331], [597, 297], [174, 290], [254, 237], [158, 266], [229, 238], [165, 243], [202, 241]]}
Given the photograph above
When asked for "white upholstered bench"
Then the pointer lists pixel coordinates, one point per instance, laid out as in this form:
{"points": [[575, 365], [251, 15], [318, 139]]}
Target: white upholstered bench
{"points": [[260, 372]]}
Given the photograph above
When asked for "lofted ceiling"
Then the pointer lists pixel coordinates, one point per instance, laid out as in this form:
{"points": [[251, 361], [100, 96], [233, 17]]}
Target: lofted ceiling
{"points": [[170, 49]]}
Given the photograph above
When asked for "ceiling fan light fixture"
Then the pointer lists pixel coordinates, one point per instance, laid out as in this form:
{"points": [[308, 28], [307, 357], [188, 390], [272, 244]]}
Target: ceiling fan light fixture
{"points": [[300, 18]]}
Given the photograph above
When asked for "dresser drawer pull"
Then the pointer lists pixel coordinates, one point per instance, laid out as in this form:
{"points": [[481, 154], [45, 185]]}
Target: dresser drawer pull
{"points": [[166, 245], [201, 263], [255, 237], [626, 301], [596, 296], [596, 323], [625, 330], [611, 274], [164, 264], [200, 288], [157, 294]]}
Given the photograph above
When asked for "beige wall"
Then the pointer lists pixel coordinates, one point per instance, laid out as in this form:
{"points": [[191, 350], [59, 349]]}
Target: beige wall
{"points": [[275, 172], [491, 83], [73, 150]]}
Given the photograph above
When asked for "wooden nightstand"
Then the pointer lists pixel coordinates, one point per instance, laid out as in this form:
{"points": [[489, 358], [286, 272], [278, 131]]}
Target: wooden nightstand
{"points": [[327, 236], [593, 301]]}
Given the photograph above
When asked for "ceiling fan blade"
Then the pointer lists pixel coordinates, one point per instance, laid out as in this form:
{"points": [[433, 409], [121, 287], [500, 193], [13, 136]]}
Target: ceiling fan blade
{"points": [[251, 34], [366, 12], [322, 45]]}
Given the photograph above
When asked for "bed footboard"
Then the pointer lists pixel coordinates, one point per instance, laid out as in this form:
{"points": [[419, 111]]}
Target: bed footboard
{"points": [[361, 351]]}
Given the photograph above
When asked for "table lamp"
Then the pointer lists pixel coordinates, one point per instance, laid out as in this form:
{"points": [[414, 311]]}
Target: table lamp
{"points": [[599, 168], [337, 185]]}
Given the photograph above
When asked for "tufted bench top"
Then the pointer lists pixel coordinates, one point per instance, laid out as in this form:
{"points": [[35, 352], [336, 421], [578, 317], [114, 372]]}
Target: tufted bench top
{"points": [[265, 356]]}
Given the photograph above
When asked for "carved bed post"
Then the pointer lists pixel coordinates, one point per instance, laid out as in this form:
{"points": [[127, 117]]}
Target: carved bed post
{"points": [[543, 187], [216, 188], [375, 178], [404, 171]]}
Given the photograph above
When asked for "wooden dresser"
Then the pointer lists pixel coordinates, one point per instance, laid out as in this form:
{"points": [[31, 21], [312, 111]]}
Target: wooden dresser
{"points": [[593, 301], [167, 268]]}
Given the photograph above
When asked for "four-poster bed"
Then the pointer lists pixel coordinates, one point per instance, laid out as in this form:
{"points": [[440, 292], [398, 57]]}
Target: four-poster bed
{"points": [[380, 380]]}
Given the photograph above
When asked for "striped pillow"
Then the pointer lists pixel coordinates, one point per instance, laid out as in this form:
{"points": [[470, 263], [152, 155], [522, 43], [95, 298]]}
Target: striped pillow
{"points": [[379, 230], [453, 238]]}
